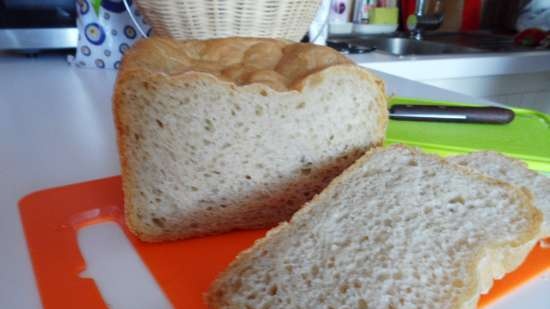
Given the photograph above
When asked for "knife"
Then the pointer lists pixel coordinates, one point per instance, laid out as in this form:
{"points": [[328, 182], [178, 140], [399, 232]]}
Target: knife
{"points": [[445, 113]]}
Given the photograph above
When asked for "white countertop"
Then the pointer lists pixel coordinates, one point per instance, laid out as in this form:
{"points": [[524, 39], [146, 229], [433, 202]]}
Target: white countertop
{"points": [[56, 128], [455, 66]]}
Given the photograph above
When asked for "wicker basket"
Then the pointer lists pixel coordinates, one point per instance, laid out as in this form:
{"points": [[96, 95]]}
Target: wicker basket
{"points": [[201, 19]]}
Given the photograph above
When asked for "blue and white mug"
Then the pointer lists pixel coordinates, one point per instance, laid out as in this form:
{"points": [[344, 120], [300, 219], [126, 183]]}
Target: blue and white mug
{"points": [[106, 31]]}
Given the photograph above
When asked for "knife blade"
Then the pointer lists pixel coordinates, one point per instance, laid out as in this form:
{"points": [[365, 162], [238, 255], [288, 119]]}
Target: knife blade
{"points": [[446, 113]]}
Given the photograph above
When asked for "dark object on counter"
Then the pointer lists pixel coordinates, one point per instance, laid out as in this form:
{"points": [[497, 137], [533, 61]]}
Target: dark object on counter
{"points": [[441, 113], [531, 37], [348, 48]]}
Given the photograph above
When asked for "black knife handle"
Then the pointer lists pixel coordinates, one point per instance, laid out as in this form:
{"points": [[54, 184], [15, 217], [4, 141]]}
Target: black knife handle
{"points": [[443, 113]]}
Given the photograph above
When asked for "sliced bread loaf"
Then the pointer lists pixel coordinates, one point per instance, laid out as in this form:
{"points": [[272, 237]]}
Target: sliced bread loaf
{"points": [[515, 172], [236, 133], [398, 229]]}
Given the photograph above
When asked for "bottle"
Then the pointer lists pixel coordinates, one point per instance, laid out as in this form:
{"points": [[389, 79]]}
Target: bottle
{"points": [[361, 11], [340, 17], [340, 11]]}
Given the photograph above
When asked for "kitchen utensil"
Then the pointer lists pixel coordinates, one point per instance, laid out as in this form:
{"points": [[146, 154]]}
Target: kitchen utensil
{"points": [[527, 137], [466, 114]]}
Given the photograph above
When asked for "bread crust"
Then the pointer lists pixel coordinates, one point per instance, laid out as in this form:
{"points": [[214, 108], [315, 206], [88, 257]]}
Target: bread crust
{"points": [[493, 262], [143, 66], [239, 60]]}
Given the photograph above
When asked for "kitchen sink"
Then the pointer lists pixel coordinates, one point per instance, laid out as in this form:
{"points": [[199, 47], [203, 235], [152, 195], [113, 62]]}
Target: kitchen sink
{"points": [[487, 42], [406, 46], [436, 43]]}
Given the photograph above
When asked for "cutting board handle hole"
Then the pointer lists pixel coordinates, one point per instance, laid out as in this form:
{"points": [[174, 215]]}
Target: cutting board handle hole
{"points": [[119, 273]]}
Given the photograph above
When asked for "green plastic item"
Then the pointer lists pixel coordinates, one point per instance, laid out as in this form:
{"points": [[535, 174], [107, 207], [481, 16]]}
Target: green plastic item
{"points": [[527, 137], [383, 16], [96, 4]]}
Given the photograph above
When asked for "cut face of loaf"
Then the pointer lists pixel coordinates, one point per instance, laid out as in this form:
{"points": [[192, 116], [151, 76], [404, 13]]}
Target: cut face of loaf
{"points": [[398, 229], [201, 154], [514, 172]]}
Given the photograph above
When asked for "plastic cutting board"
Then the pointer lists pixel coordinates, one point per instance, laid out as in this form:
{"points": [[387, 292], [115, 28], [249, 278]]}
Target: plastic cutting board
{"points": [[184, 269], [527, 137]]}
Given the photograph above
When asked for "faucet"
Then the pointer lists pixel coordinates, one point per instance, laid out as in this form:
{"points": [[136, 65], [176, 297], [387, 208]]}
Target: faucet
{"points": [[428, 15]]}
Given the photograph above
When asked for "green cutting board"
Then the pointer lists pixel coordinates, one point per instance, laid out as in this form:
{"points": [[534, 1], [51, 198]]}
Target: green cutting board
{"points": [[527, 137]]}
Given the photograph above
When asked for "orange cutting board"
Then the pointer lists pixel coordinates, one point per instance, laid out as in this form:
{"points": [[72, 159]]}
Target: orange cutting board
{"points": [[183, 269]]}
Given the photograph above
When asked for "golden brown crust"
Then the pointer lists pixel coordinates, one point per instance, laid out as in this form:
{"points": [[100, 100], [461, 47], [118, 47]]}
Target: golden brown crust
{"points": [[276, 63], [120, 136], [500, 258]]}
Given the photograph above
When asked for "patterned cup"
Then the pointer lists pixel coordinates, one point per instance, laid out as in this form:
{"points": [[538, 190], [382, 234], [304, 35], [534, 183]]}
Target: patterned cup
{"points": [[106, 31]]}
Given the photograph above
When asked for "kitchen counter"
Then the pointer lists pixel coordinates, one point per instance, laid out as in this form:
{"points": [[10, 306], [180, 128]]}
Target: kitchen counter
{"points": [[456, 65], [56, 128], [518, 79]]}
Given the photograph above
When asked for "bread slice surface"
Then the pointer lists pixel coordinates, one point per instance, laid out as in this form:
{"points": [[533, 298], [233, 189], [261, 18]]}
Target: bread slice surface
{"points": [[398, 229], [206, 147], [515, 172]]}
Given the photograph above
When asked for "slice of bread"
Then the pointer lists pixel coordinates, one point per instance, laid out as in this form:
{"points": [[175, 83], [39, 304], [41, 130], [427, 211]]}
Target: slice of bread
{"points": [[236, 133], [515, 172], [398, 229]]}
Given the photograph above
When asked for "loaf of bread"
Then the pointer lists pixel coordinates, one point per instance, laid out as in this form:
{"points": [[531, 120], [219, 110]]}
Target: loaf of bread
{"points": [[236, 133], [398, 229], [515, 172]]}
